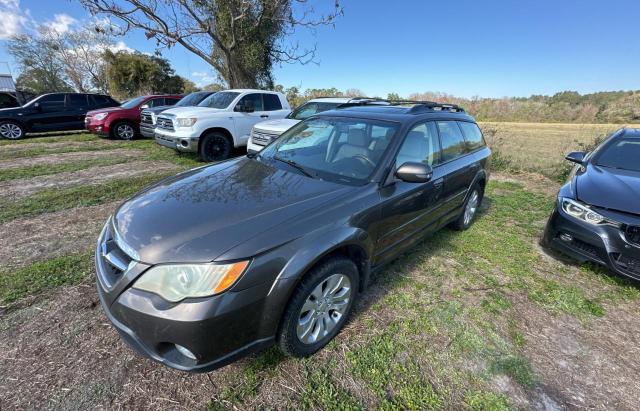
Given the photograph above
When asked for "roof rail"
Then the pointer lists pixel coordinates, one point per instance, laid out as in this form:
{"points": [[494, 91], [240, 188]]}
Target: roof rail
{"points": [[363, 101], [418, 105]]}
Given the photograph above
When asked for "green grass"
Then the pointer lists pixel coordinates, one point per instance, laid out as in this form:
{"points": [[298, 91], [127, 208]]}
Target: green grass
{"points": [[33, 279], [51, 200], [48, 169]]}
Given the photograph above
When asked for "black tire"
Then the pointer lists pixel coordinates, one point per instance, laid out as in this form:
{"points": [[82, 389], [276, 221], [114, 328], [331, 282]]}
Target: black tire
{"points": [[336, 267], [123, 130], [215, 146], [11, 130], [463, 223]]}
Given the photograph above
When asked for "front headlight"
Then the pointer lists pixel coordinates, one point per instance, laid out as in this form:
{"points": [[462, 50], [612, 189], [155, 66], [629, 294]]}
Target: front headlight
{"points": [[186, 122], [583, 212], [177, 282], [101, 116]]}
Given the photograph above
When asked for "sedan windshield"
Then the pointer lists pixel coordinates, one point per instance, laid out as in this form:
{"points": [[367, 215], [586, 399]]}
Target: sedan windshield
{"points": [[339, 149], [311, 108], [623, 154], [133, 102], [221, 99]]}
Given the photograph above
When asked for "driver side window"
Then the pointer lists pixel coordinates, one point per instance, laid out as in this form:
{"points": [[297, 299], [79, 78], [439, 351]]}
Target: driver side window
{"points": [[421, 145]]}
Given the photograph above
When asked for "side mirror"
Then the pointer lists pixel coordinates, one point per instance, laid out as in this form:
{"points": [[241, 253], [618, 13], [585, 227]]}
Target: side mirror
{"points": [[576, 157], [144, 106], [413, 172]]}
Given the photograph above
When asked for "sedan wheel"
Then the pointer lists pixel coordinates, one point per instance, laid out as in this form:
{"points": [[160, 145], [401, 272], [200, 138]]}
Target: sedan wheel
{"points": [[324, 308], [12, 131], [125, 131], [471, 208]]}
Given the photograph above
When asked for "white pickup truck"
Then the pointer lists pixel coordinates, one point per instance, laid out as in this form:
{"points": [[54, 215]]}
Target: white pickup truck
{"points": [[219, 123]]}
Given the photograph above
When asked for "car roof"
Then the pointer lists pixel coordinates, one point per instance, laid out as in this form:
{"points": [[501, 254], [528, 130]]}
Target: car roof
{"points": [[630, 132], [251, 90], [330, 99], [398, 113]]}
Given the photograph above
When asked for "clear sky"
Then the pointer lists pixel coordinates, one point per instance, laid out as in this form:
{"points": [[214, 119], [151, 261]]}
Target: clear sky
{"points": [[489, 48]]}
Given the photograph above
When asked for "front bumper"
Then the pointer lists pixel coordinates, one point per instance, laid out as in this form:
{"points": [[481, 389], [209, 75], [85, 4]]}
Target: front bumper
{"points": [[147, 130], [98, 128], [603, 244], [186, 143], [253, 147]]}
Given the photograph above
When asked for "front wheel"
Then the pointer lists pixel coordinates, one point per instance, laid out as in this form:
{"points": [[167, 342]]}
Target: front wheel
{"points": [[215, 146], [471, 207], [124, 131], [319, 307], [11, 130]]}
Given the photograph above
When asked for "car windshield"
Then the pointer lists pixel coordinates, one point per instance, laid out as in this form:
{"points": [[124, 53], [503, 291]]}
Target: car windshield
{"points": [[623, 154], [191, 100], [133, 102], [345, 150], [311, 108], [221, 99]]}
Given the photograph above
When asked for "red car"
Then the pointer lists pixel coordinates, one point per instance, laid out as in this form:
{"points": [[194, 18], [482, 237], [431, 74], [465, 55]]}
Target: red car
{"points": [[123, 122]]}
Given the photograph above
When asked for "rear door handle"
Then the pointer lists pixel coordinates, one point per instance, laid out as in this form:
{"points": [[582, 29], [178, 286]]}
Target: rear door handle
{"points": [[264, 116]]}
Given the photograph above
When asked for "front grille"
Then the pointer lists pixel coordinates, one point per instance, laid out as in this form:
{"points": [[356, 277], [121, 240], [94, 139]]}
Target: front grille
{"points": [[164, 123], [112, 260], [632, 234], [146, 117], [262, 138], [627, 263]]}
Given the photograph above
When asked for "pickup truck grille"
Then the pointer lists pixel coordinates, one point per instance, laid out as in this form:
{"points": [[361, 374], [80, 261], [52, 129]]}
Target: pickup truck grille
{"points": [[632, 234], [164, 123], [145, 117], [262, 138]]}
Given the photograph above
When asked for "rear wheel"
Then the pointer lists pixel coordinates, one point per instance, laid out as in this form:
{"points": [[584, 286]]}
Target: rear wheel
{"points": [[215, 146], [319, 307], [124, 130], [11, 130], [470, 209]]}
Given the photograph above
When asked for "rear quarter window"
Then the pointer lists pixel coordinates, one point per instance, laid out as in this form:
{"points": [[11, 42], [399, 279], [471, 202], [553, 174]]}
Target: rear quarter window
{"points": [[472, 135], [453, 143]]}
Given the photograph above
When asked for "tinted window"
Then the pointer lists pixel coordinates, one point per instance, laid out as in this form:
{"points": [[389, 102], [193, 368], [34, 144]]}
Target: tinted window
{"points": [[421, 145], [170, 101], [157, 102], [133, 102], [221, 99], [453, 144], [192, 99], [255, 98], [472, 134], [7, 100], [52, 98], [623, 154], [77, 100], [271, 102], [309, 109]]}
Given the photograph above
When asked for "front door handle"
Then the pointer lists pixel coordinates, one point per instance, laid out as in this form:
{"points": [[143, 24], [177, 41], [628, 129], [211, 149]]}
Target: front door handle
{"points": [[264, 116]]}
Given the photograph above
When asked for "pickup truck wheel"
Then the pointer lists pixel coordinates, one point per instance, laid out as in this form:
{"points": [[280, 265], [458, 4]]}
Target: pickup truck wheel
{"points": [[215, 146], [11, 130], [319, 307], [124, 131]]}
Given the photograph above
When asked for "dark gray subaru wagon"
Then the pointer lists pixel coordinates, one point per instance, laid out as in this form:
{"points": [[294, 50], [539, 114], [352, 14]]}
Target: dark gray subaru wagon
{"points": [[220, 261]]}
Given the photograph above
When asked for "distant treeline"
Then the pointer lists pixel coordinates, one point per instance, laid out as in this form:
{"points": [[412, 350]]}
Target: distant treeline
{"points": [[564, 107]]}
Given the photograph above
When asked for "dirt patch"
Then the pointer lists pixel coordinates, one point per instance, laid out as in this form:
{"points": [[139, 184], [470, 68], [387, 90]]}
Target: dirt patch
{"points": [[25, 241], [23, 187], [19, 148], [69, 157], [531, 181]]}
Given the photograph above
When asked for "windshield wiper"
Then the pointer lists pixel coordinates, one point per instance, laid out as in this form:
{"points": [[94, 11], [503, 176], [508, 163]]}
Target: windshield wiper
{"points": [[294, 165]]}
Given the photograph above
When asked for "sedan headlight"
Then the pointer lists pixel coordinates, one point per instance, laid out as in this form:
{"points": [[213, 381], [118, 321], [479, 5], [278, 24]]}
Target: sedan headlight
{"points": [[186, 122], [101, 116], [177, 282], [583, 212]]}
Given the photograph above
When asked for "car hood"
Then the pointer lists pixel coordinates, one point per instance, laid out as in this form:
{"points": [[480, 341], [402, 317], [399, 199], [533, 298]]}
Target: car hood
{"points": [[195, 111], [104, 110], [276, 126], [198, 215], [159, 109], [610, 188]]}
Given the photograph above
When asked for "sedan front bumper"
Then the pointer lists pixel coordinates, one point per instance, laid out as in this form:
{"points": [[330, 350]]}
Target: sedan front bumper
{"points": [[602, 244]]}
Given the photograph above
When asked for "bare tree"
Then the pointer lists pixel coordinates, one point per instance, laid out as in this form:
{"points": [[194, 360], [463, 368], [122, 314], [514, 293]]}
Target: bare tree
{"points": [[240, 39]]}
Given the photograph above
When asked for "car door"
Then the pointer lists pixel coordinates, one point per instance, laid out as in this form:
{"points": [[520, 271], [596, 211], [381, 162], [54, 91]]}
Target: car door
{"points": [[459, 167], [76, 108], [48, 113], [245, 121], [411, 209], [273, 107]]}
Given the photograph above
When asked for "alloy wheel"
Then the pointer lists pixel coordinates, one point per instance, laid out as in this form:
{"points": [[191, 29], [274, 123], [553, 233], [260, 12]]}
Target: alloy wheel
{"points": [[216, 148], [125, 131], [10, 131], [471, 208], [324, 308]]}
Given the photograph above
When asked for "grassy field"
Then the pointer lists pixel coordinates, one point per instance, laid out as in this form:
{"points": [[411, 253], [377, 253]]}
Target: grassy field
{"points": [[541, 147], [482, 319]]}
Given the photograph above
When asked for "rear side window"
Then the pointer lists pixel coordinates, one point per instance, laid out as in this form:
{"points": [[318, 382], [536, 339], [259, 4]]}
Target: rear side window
{"points": [[472, 134], [77, 100], [271, 102], [453, 144], [170, 101], [52, 98], [421, 145]]}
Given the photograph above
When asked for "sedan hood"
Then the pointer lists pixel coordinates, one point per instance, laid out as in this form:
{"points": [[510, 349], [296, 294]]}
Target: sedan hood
{"points": [[610, 188], [276, 126], [192, 111], [198, 215]]}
